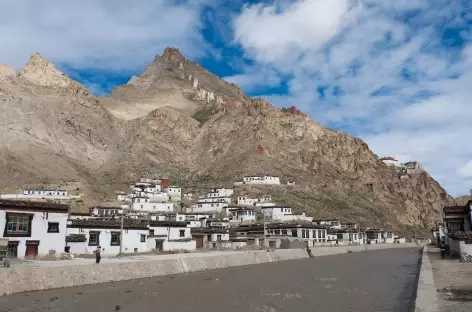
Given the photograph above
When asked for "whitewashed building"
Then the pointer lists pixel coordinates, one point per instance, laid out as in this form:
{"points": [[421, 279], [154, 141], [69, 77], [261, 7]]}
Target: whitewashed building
{"points": [[248, 201], [84, 236], [145, 204], [169, 235], [268, 180], [174, 192], [208, 207], [34, 229], [243, 214], [283, 214]]}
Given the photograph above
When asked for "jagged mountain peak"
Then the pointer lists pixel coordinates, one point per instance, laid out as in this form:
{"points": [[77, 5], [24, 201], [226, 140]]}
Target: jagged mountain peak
{"points": [[6, 71], [42, 72], [172, 55]]}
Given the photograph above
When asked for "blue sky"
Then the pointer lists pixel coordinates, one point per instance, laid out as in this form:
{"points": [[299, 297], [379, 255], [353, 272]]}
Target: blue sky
{"points": [[398, 73]]}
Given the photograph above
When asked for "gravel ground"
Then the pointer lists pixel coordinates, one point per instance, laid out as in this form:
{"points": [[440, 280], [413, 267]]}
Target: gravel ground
{"points": [[377, 281], [453, 281]]}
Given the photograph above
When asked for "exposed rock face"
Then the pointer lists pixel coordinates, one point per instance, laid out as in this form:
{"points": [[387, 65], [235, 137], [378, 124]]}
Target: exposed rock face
{"points": [[178, 119], [42, 73]]}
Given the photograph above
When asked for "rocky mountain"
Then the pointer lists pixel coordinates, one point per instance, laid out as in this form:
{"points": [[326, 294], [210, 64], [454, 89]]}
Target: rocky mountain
{"points": [[178, 119]]}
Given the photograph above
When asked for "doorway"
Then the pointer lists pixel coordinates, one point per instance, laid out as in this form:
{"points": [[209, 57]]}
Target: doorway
{"points": [[271, 244], [159, 245], [12, 251], [31, 250]]}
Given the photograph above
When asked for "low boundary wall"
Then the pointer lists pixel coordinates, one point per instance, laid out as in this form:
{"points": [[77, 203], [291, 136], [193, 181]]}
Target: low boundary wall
{"points": [[426, 293], [23, 279]]}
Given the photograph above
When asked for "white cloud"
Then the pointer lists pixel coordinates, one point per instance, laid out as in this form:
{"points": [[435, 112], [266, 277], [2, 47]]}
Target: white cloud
{"points": [[383, 70], [269, 35], [118, 35]]}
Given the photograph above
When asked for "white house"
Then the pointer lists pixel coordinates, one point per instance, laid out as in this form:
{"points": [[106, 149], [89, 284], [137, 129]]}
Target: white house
{"points": [[208, 207], [169, 235], [174, 192], [145, 204], [283, 214], [269, 180], [243, 214], [84, 236], [33, 228]]}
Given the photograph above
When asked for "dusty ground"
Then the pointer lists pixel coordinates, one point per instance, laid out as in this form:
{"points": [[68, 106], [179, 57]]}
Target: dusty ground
{"points": [[365, 281], [454, 283]]}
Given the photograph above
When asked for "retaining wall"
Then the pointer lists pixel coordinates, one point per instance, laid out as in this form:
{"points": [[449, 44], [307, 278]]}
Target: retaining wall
{"points": [[24, 279]]}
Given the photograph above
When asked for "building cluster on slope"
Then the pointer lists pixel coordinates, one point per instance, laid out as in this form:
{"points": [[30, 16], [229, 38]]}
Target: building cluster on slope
{"points": [[152, 218], [410, 167]]}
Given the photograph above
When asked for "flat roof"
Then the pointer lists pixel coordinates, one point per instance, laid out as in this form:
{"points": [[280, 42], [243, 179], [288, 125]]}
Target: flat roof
{"points": [[33, 205]]}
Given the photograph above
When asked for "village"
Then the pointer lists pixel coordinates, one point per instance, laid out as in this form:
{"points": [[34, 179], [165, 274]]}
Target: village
{"points": [[151, 218]]}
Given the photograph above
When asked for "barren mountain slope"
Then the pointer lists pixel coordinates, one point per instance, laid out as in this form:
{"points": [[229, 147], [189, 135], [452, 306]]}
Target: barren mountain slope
{"points": [[52, 129], [177, 119]]}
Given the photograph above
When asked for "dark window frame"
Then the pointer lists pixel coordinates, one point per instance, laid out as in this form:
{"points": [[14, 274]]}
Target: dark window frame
{"points": [[97, 243], [151, 232], [143, 238], [115, 243], [181, 233], [50, 229], [9, 216]]}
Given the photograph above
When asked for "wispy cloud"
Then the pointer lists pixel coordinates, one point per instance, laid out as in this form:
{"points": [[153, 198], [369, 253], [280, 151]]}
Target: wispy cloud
{"points": [[397, 73]]}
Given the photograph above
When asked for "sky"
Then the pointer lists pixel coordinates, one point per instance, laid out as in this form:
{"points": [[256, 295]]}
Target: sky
{"points": [[396, 73]]}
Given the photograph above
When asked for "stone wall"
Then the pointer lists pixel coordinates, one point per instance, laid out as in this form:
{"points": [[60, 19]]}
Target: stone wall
{"points": [[23, 279]]}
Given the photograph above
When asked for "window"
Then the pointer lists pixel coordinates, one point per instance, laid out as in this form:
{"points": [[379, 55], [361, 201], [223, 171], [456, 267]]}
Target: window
{"points": [[115, 239], [182, 233], [294, 233], [143, 238], [151, 232], [303, 233], [94, 238], [53, 227], [284, 232], [218, 237], [18, 225], [277, 232], [209, 237]]}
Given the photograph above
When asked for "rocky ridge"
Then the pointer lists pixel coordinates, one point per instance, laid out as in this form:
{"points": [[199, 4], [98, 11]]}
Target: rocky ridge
{"points": [[178, 119]]}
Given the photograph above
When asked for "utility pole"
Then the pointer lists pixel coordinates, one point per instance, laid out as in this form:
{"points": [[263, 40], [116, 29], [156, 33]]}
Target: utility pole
{"points": [[121, 232], [264, 216]]}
